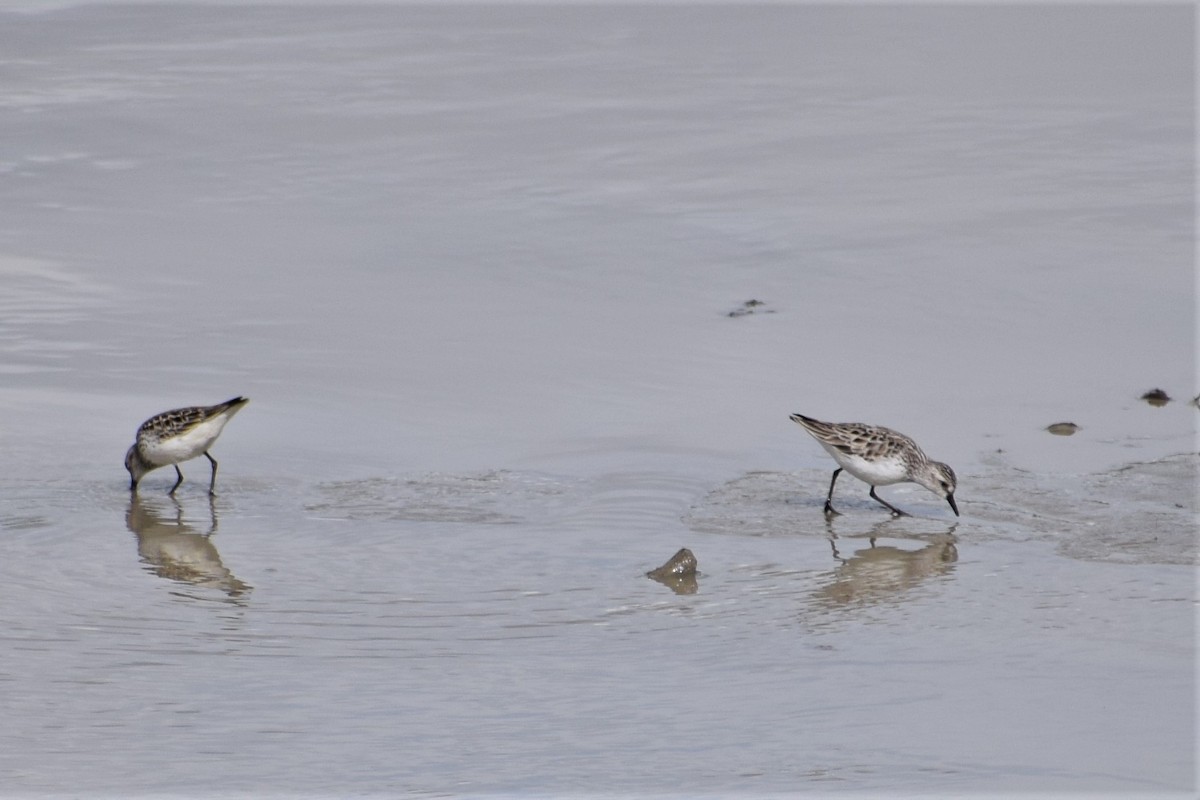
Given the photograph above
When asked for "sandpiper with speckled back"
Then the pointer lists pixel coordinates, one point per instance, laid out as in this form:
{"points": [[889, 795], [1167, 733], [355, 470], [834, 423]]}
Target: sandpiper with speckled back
{"points": [[179, 435], [879, 456]]}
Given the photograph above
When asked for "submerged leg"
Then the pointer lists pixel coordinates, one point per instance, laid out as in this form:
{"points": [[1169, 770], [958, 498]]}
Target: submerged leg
{"points": [[212, 483], [833, 546], [895, 510], [176, 486], [829, 499], [212, 514]]}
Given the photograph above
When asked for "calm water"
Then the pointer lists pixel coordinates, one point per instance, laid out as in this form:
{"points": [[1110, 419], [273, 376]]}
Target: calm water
{"points": [[475, 268]]}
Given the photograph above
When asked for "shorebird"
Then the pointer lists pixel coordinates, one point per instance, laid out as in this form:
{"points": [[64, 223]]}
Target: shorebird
{"points": [[176, 436], [879, 456]]}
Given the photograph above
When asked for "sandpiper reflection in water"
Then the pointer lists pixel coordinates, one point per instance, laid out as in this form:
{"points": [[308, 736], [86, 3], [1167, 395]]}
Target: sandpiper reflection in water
{"points": [[878, 573], [174, 549]]}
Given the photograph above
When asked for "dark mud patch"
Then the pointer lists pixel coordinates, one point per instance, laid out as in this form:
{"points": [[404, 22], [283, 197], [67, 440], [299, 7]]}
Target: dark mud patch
{"points": [[1156, 397], [1141, 513], [791, 503], [750, 307]]}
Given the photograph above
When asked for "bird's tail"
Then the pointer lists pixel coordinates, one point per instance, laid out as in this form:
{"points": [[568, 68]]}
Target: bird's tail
{"points": [[813, 425], [232, 406]]}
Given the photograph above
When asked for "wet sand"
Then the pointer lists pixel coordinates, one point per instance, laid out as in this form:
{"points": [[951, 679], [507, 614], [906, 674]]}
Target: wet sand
{"points": [[523, 298], [1142, 513]]}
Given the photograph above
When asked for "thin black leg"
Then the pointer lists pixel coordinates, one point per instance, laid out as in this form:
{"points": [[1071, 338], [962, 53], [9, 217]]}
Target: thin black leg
{"points": [[895, 510], [176, 486], [212, 483], [829, 500]]}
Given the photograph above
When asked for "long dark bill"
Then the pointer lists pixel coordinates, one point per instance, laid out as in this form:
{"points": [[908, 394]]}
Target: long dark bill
{"points": [[953, 505]]}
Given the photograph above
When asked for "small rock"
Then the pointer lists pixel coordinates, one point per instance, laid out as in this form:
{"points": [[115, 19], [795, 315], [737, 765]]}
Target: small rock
{"points": [[678, 574], [1063, 428], [1156, 397], [682, 563]]}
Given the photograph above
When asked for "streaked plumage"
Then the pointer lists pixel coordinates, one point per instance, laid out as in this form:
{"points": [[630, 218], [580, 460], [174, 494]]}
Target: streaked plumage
{"points": [[879, 456], [176, 436]]}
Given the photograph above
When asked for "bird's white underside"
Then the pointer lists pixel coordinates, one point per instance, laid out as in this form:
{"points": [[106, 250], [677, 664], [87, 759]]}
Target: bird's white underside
{"points": [[877, 473], [188, 445]]}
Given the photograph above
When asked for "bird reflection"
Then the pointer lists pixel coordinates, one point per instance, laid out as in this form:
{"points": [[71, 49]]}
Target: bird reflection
{"points": [[174, 549], [879, 572]]}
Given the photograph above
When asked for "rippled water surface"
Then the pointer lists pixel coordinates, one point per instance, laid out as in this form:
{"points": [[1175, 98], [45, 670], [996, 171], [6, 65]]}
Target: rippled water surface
{"points": [[486, 274]]}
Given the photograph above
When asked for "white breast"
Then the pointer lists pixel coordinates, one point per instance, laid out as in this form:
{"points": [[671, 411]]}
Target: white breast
{"points": [[877, 473], [186, 445]]}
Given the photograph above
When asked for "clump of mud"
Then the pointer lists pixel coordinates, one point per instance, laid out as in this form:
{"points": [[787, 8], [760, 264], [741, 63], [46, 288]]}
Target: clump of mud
{"points": [[751, 307], [678, 574], [1156, 397], [1063, 428]]}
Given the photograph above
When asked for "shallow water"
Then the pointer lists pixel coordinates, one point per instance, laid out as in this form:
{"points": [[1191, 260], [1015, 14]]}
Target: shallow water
{"points": [[475, 269]]}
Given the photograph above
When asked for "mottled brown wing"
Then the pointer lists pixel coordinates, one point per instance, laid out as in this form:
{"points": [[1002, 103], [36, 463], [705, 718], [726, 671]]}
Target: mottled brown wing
{"points": [[175, 420]]}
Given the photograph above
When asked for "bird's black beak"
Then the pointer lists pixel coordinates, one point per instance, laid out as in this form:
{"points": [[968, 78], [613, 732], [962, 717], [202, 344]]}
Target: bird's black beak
{"points": [[953, 505]]}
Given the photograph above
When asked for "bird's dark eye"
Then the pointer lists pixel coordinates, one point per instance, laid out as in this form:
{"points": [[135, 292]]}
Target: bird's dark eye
{"points": [[945, 486]]}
